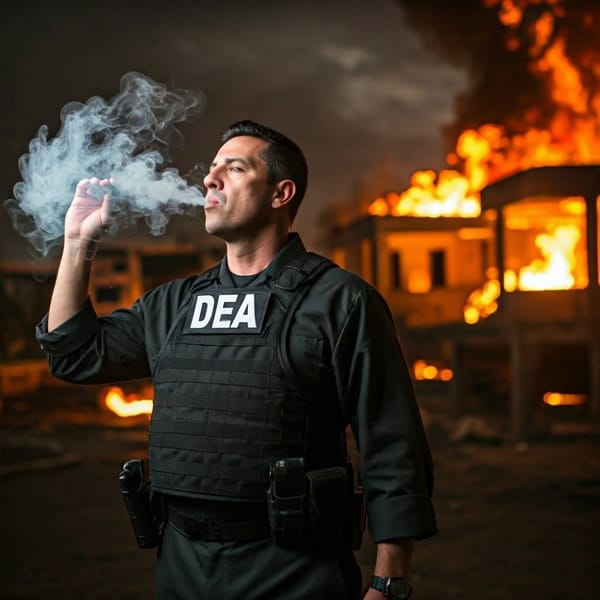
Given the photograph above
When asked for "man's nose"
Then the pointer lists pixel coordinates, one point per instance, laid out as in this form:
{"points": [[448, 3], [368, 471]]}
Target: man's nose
{"points": [[212, 180]]}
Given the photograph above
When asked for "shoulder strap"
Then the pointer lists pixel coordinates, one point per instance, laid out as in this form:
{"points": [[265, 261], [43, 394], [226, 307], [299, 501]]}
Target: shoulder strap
{"points": [[312, 268], [210, 274], [303, 269], [203, 280], [299, 277]]}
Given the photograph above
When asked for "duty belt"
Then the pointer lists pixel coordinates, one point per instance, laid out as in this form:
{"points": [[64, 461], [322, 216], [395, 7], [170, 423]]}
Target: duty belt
{"points": [[213, 529]]}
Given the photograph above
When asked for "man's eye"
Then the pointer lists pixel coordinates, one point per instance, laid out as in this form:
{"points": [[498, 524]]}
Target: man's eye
{"points": [[236, 169]]}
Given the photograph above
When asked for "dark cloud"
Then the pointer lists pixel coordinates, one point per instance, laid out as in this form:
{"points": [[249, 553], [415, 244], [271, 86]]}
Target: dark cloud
{"points": [[348, 80], [502, 88]]}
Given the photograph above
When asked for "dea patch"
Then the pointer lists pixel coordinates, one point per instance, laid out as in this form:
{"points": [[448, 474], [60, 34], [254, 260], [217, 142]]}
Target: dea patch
{"points": [[227, 311]]}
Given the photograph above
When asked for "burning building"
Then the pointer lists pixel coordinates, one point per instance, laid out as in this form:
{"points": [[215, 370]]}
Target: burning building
{"points": [[549, 306], [523, 339], [491, 265]]}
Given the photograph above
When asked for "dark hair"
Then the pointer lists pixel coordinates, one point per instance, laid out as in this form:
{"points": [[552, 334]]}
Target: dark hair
{"points": [[283, 157]]}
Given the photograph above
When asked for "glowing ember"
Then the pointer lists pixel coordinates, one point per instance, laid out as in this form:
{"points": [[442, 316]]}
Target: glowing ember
{"points": [[482, 303], [424, 371], [556, 399], [127, 406]]}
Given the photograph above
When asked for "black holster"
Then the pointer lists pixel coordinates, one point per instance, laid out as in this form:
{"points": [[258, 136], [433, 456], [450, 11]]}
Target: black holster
{"points": [[286, 502], [135, 489]]}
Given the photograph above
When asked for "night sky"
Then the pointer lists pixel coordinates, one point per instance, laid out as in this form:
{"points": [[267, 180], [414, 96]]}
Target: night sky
{"points": [[364, 96]]}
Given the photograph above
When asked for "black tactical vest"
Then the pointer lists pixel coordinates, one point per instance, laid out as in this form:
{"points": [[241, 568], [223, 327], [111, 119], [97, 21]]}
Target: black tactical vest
{"points": [[225, 407]]}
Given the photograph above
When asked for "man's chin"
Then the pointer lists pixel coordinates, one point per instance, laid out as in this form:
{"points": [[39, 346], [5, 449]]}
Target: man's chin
{"points": [[217, 230], [212, 228]]}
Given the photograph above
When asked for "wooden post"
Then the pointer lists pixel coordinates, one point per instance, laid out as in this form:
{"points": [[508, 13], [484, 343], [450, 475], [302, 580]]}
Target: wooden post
{"points": [[520, 390], [591, 218]]}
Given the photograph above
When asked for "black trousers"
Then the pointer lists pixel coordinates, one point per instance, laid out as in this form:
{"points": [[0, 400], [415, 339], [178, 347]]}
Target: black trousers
{"points": [[253, 570]]}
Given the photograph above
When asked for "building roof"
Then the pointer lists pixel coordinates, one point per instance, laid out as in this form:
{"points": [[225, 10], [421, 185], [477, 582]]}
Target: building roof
{"points": [[561, 181]]}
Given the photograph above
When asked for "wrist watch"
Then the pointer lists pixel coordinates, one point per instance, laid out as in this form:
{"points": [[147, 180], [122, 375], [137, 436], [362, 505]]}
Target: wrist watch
{"points": [[394, 588]]}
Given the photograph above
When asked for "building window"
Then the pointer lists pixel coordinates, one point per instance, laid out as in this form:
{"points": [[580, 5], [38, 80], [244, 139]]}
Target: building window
{"points": [[120, 266], [395, 271], [438, 268], [109, 294]]}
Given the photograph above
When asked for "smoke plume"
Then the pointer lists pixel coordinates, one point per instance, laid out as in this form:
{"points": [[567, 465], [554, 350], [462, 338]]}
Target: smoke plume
{"points": [[127, 138], [503, 88]]}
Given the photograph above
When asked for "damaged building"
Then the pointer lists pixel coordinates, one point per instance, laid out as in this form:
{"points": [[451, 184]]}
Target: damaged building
{"points": [[499, 311]]}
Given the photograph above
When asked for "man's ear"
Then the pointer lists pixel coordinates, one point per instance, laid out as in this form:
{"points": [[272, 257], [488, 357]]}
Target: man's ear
{"points": [[285, 190]]}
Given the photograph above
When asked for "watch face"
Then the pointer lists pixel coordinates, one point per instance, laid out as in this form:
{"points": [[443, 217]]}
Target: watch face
{"points": [[399, 589]]}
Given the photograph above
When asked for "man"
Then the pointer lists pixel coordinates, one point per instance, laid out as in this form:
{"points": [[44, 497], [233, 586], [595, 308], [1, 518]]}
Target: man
{"points": [[258, 366]]}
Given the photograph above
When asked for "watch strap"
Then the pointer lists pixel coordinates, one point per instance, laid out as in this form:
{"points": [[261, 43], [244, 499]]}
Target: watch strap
{"points": [[389, 587]]}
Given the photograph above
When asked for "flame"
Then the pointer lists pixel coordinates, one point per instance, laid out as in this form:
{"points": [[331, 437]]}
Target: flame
{"points": [[430, 195], [554, 271], [126, 406], [570, 134], [424, 371], [557, 399], [482, 302], [489, 152], [511, 12]]}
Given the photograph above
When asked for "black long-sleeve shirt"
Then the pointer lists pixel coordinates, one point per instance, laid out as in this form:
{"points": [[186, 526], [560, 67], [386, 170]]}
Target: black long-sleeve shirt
{"points": [[354, 357]]}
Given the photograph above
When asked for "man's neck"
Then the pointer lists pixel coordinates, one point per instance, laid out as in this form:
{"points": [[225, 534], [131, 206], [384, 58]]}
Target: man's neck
{"points": [[251, 257]]}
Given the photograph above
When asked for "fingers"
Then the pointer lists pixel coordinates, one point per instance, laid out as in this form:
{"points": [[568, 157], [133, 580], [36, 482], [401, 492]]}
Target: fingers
{"points": [[105, 212], [105, 209], [83, 187]]}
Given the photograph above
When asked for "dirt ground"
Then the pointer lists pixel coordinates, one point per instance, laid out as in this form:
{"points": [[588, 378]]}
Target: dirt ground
{"points": [[516, 521]]}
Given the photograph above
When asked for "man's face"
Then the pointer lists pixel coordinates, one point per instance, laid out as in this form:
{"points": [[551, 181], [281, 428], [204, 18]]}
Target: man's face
{"points": [[238, 197]]}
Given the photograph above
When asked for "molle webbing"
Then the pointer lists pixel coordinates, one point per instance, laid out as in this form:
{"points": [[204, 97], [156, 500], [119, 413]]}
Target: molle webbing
{"points": [[224, 407]]}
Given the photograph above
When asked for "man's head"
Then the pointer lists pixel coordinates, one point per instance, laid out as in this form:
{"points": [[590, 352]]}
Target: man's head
{"points": [[283, 157]]}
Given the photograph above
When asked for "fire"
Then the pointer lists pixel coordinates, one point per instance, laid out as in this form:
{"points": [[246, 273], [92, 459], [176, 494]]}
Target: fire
{"points": [[483, 302], [567, 132], [127, 406], [554, 271], [489, 152], [430, 195], [424, 371], [557, 399]]}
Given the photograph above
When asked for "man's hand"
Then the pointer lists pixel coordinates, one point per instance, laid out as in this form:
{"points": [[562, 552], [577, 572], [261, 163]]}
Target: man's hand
{"points": [[88, 217]]}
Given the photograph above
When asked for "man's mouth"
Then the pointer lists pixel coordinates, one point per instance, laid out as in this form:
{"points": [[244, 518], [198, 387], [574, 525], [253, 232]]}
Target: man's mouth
{"points": [[212, 200]]}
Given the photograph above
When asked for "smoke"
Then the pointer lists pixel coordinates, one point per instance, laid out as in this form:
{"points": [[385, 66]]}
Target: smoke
{"points": [[127, 138], [503, 88]]}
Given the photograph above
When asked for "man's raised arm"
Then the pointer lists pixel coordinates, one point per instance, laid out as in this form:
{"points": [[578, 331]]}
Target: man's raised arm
{"points": [[85, 223]]}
